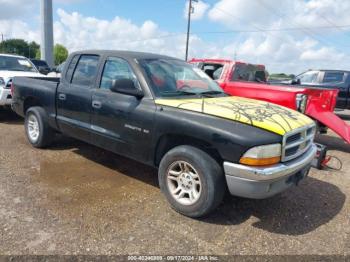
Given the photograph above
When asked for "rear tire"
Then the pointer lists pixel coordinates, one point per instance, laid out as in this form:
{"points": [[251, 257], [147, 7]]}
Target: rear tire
{"points": [[192, 181], [37, 128]]}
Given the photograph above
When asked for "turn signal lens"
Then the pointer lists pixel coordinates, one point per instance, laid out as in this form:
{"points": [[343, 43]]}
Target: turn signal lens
{"points": [[262, 155], [260, 162]]}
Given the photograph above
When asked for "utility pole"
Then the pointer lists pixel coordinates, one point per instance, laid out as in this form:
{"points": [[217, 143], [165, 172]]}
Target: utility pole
{"points": [[190, 11], [2, 41], [47, 32]]}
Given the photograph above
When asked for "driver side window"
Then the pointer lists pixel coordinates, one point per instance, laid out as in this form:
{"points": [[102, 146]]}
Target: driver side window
{"points": [[116, 69]]}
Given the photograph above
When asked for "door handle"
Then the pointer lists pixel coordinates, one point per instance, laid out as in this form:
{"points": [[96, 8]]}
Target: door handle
{"points": [[96, 104], [62, 97]]}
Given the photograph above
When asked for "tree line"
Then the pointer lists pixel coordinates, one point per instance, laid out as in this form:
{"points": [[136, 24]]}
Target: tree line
{"points": [[31, 50]]}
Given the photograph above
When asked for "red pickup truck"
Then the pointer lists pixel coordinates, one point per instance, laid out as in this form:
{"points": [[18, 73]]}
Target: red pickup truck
{"points": [[248, 80]]}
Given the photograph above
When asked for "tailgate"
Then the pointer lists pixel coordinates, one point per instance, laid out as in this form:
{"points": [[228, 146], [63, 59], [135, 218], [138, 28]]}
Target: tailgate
{"points": [[321, 104], [335, 123]]}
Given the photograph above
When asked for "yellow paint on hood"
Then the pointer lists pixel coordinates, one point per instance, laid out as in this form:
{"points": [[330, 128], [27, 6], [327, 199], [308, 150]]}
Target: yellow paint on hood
{"points": [[271, 117]]}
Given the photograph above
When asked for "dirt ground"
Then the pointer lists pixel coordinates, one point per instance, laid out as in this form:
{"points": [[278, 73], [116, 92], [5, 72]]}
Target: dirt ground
{"points": [[74, 198]]}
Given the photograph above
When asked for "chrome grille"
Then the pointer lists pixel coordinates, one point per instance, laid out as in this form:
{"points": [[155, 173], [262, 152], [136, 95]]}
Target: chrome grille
{"points": [[297, 142]]}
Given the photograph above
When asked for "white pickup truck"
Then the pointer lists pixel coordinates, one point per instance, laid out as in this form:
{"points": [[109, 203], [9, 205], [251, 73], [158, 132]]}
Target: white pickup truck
{"points": [[11, 66]]}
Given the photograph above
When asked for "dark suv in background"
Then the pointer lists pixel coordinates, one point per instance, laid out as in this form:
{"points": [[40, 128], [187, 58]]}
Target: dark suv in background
{"points": [[42, 66], [335, 79]]}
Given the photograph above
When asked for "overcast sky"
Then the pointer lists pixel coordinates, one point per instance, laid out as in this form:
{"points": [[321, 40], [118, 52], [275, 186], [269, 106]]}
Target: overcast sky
{"points": [[286, 35]]}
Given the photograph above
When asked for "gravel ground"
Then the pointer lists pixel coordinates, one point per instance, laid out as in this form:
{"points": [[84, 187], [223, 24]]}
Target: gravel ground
{"points": [[74, 198]]}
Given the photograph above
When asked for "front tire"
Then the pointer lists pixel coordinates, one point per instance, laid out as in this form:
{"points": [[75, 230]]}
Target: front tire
{"points": [[38, 131], [192, 181]]}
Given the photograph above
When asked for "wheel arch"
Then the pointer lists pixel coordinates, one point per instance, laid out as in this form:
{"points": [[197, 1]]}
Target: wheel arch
{"points": [[169, 141], [30, 102]]}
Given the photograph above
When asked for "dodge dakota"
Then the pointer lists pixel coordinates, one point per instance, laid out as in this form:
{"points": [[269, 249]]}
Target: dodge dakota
{"points": [[165, 113], [248, 80]]}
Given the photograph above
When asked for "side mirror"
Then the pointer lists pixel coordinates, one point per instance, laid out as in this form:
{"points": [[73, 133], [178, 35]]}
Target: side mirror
{"points": [[43, 70], [295, 81], [127, 87]]}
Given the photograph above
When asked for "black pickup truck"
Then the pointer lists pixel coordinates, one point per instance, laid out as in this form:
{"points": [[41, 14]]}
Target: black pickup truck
{"points": [[334, 79], [165, 113]]}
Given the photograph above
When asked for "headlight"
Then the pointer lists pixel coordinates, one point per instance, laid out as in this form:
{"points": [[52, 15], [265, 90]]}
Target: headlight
{"points": [[301, 102], [2, 82], [262, 155]]}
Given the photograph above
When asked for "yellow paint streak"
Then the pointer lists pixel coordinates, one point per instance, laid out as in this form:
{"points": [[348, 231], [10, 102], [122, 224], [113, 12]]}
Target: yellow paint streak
{"points": [[271, 117]]}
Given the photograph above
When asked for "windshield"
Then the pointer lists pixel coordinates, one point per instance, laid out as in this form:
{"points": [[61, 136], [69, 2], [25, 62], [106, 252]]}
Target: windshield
{"points": [[10, 63], [171, 77], [250, 73], [309, 77]]}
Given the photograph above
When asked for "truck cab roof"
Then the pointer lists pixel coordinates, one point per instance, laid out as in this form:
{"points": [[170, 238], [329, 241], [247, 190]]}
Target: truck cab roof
{"points": [[12, 55], [124, 54]]}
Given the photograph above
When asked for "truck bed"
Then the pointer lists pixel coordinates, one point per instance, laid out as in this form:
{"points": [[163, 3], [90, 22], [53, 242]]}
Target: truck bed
{"points": [[343, 96], [27, 87]]}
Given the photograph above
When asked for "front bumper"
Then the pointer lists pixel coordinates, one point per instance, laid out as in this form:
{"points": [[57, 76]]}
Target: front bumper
{"points": [[5, 97], [264, 182]]}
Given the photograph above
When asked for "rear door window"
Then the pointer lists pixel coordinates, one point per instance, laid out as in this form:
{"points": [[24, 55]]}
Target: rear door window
{"points": [[333, 77], [214, 71], [249, 73], [217, 73], [86, 70]]}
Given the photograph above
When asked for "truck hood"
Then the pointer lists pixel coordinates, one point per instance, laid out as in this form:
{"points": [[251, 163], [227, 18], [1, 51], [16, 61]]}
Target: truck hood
{"points": [[6, 75], [271, 117]]}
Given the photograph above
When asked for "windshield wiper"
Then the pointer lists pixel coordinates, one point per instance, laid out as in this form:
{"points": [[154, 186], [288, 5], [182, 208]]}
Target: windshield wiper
{"points": [[180, 92], [201, 94], [212, 92]]}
